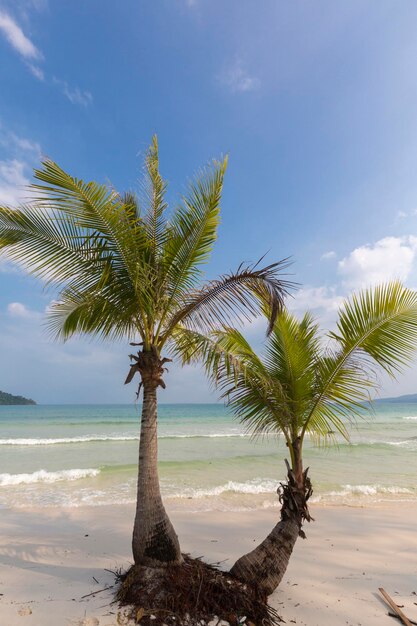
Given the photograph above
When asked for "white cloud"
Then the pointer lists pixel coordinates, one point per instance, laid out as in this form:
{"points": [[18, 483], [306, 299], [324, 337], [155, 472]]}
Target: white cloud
{"points": [[36, 71], [12, 181], [74, 94], [10, 140], [16, 145], [17, 309], [19, 155], [323, 302], [16, 37], [401, 214], [237, 79], [328, 255], [30, 53], [387, 259]]}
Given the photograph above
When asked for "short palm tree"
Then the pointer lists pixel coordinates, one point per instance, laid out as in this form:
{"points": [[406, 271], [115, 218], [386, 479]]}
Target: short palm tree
{"points": [[125, 271], [308, 383]]}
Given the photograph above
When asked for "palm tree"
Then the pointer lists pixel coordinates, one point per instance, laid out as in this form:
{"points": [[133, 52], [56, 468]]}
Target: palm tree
{"points": [[127, 272], [311, 384]]}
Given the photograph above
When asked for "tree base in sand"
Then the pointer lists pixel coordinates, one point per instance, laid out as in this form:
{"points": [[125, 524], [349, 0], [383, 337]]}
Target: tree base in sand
{"points": [[189, 594]]}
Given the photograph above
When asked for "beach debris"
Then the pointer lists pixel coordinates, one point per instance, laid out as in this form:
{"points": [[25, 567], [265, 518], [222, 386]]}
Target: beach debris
{"points": [[93, 593], [89, 621], [398, 617], [193, 593], [25, 611], [124, 618], [394, 607]]}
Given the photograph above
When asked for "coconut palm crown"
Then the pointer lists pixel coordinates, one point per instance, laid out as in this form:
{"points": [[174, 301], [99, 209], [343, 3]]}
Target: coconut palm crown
{"points": [[309, 382], [125, 271]]}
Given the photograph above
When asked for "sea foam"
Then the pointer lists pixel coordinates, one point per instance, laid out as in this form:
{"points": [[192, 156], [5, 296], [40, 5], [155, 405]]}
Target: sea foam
{"points": [[62, 440], [368, 490], [42, 476], [97, 438], [255, 486]]}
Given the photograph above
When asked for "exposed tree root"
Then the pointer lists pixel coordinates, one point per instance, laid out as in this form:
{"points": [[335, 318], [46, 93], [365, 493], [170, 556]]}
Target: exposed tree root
{"points": [[189, 594]]}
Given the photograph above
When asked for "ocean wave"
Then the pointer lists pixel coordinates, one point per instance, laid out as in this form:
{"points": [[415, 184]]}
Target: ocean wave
{"points": [[367, 490], [42, 476], [410, 417], [255, 486], [204, 436], [410, 443], [61, 440], [98, 438]]}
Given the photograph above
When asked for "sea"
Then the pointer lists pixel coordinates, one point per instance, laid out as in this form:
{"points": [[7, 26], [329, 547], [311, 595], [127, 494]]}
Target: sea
{"points": [[86, 455]]}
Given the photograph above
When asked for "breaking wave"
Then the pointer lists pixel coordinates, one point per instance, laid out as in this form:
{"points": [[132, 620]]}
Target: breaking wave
{"points": [[255, 486], [97, 438], [42, 476]]}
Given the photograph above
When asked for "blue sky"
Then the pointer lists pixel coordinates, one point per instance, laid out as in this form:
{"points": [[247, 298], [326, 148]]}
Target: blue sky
{"points": [[313, 101]]}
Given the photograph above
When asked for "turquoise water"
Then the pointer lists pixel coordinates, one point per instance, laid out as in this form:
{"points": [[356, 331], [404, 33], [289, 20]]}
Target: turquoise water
{"points": [[86, 455]]}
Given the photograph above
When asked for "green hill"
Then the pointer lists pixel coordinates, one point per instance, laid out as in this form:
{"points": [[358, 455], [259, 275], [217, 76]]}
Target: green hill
{"points": [[412, 397], [7, 398]]}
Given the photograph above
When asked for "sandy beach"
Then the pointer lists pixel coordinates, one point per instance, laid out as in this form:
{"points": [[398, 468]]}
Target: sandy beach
{"points": [[51, 558]]}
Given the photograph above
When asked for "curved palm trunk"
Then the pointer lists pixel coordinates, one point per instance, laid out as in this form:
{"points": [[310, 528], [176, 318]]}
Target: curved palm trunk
{"points": [[154, 542], [266, 565]]}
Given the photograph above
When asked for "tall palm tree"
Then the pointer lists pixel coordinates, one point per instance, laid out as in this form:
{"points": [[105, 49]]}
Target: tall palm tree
{"points": [[308, 383], [125, 271]]}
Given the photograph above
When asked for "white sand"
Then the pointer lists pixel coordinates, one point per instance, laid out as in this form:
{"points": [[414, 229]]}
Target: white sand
{"points": [[47, 563]]}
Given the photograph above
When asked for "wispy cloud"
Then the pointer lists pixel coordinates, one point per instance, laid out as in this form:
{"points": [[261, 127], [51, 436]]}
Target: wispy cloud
{"points": [[36, 71], [12, 143], [74, 94], [16, 37], [12, 181], [328, 255], [31, 55], [21, 43], [17, 156], [238, 79]]}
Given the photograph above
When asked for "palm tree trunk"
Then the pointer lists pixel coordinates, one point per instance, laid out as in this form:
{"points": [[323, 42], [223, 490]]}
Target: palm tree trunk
{"points": [[154, 542], [266, 565]]}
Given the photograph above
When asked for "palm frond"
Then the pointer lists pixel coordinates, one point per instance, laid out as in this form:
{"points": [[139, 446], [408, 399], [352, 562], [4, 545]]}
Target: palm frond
{"points": [[193, 231], [96, 209], [101, 312], [376, 328], [382, 323], [233, 297], [48, 245], [154, 188], [291, 353]]}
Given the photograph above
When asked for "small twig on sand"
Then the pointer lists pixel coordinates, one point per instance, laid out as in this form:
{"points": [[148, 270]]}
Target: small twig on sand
{"points": [[93, 593], [398, 617], [394, 607]]}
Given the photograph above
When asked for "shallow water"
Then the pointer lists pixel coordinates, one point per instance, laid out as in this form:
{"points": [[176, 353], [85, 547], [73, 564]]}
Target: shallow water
{"points": [[78, 455]]}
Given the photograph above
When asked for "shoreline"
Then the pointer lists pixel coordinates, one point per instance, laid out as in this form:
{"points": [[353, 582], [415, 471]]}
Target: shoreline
{"points": [[50, 558]]}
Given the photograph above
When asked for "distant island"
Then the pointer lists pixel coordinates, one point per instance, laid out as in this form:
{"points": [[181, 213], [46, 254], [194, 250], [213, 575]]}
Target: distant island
{"points": [[9, 399], [411, 397]]}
